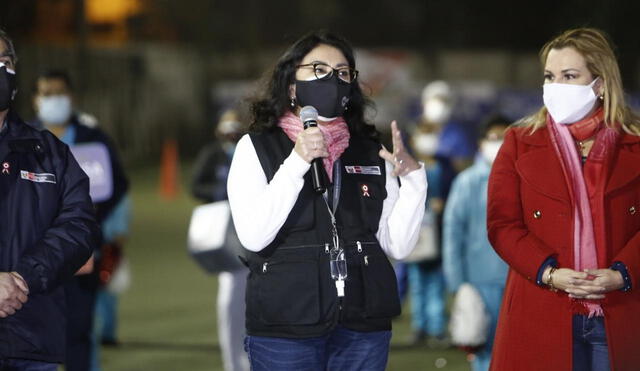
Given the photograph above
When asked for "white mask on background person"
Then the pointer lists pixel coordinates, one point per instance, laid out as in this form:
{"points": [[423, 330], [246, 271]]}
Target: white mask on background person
{"points": [[54, 109], [229, 127], [436, 111], [489, 149], [568, 103], [425, 144]]}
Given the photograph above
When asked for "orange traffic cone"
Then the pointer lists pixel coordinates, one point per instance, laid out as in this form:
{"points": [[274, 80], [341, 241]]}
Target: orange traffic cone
{"points": [[169, 170]]}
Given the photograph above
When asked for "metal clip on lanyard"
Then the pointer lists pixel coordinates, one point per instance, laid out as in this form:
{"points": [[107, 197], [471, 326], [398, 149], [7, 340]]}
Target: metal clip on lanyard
{"points": [[337, 257]]}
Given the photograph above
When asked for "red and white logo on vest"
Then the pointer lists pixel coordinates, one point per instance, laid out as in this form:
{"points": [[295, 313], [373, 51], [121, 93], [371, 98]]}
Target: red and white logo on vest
{"points": [[365, 190], [5, 168], [38, 177], [367, 170]]}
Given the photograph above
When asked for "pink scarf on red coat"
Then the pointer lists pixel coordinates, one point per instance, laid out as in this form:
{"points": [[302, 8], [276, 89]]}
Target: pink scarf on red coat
{"points": [[336, 136], [586, 187]]}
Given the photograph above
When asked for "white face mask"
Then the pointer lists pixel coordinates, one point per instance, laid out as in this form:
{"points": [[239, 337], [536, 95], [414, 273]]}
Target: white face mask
{"points": [[54, 109], [229, 127], [568, 103], [436, 111], [489, 149], [425, 144]]}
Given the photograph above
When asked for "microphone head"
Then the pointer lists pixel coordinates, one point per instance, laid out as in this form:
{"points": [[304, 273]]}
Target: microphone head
{"points": [[308, 114]]}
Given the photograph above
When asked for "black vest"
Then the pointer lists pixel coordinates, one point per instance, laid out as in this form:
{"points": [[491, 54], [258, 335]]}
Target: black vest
{"points": [[290, 292]]}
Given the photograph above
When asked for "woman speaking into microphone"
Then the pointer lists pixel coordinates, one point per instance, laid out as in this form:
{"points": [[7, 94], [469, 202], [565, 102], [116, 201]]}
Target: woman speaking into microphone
{"points": [[321, 292]]}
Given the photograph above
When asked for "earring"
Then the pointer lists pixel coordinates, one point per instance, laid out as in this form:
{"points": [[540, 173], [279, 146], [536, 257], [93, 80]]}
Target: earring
{"points": [[601, 96], [292, 102]]}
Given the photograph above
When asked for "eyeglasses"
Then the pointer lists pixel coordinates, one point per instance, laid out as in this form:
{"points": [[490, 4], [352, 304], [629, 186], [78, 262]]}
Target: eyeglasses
{"points": [[323, 71], [7, 60]]}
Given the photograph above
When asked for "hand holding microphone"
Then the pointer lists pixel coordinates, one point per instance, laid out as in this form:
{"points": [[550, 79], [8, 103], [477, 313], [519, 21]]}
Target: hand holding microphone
{"points": [[310, 145]]}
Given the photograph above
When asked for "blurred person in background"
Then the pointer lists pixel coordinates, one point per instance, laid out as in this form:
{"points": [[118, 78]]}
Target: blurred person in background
{"points": [[439, 102], [563, 213], [436, 139], [48, 232], [301, 313], [467, 255], [423, 267], [53, 103], [209, 184]]}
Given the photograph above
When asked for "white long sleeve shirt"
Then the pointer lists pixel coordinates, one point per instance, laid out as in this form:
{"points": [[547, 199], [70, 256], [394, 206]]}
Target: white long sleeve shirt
{"points": [[259, 209]]}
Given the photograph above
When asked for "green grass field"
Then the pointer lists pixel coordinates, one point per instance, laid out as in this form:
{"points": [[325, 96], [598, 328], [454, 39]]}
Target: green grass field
{"points": [[168, 316]]}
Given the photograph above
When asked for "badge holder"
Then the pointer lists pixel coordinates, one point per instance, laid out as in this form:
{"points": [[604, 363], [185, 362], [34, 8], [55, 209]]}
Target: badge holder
{"points": [[337, 256], [338, 264]]}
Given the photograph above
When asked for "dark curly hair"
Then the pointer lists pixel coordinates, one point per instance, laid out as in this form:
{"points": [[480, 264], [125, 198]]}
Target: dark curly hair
{"points": [[11, 50], [274, 101]]}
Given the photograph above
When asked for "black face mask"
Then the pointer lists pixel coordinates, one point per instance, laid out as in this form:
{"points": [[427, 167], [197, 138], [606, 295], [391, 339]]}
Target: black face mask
{"points": [[329, 97], [7, 87]]}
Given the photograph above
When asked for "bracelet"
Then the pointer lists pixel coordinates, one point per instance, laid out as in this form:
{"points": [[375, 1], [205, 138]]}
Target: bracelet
{"points": [[550, 279]]}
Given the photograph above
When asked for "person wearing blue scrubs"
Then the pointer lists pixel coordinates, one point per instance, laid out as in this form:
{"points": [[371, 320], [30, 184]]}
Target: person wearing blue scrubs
{"points": [[467, 254]]}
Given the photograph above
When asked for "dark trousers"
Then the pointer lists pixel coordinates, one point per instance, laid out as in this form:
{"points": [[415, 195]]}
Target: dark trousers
{"points": [[13, 364], [80, 294]]}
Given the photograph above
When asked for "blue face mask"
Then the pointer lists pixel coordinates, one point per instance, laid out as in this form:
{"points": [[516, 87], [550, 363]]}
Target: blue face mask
{"points": [[329, 97]]}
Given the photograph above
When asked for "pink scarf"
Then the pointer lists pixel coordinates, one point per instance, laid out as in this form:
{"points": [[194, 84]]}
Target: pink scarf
{"points": [[336, 135], [587, 225]]}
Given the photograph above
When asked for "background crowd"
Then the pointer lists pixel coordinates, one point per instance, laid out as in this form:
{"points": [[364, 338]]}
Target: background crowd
{"points": [[157, 84]]}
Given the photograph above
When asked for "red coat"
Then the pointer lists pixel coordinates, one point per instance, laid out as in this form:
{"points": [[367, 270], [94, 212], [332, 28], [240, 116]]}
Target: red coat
{"points": [[530, 217]]}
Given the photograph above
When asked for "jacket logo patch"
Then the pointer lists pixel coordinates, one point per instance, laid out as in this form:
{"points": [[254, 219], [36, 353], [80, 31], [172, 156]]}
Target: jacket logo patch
{"points": [[5, 168], [38, 178], [365, 190], [367, 170]]}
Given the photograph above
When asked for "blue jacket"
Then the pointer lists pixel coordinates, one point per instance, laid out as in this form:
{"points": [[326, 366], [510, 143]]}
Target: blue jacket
{"points": [[47, 233], [467, 254]]}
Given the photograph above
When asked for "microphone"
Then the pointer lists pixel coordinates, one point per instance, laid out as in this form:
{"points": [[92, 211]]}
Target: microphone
{"points": [[309, 118]]}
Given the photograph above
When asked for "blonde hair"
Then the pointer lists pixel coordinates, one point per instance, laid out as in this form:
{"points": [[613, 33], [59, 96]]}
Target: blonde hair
{"points": [[594, 46]]}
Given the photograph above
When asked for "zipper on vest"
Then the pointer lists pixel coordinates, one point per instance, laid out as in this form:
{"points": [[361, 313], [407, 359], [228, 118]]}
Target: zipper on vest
{"points": [[264, 267], [359, 246], [326, 248], [298, 246], [366, 260]]}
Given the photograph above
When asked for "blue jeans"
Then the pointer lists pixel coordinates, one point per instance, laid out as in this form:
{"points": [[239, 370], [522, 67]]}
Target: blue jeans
{"points": [[492, 297], [426, 289], [401, 276], [104, 325], [339, 350], [106, 315], [590, 350], [13, 364]]}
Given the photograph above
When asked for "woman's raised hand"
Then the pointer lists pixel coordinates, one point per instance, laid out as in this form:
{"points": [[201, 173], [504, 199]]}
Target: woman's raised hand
{"points": [[402, 161]]}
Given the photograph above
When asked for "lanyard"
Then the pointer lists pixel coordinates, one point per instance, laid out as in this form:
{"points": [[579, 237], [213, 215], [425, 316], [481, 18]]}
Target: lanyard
{"points": [[337, 262], [337, 186]]}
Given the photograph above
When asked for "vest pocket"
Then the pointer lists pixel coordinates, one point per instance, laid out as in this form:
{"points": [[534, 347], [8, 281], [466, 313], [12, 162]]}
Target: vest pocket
{"points": [[288, 292], [362, 199], [381, 298]]}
